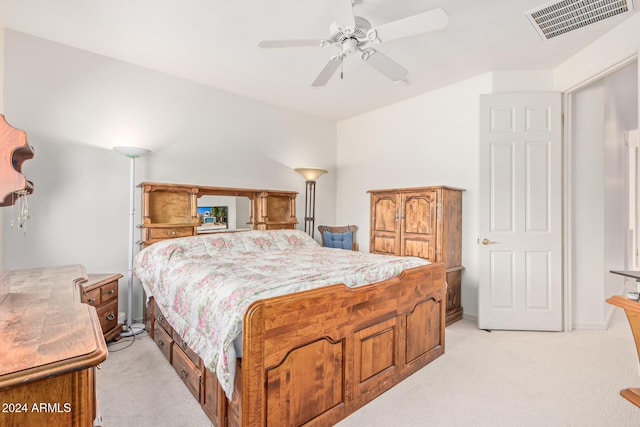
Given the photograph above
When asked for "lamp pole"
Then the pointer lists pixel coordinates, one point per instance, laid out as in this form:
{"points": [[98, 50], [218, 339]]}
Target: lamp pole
{"points": [[132, 153], [310, 175]]}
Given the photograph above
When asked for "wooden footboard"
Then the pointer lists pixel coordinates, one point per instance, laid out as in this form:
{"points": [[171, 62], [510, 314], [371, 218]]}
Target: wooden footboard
{"points": [[317, 356], [314, 357]]}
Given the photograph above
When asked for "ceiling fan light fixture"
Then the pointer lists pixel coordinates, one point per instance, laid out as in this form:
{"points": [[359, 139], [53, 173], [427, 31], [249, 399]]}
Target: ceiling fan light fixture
{"points": [[349, 46], [353, 34]]}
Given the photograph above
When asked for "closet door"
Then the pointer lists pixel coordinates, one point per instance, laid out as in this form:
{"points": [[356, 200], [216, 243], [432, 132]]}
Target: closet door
{"points": [[385, 224], [418, 224]]}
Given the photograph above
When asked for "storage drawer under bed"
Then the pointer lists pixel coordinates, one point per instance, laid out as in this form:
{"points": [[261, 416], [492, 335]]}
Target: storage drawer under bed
{"points": [[188, 372], [163, 341], [179, 342]]}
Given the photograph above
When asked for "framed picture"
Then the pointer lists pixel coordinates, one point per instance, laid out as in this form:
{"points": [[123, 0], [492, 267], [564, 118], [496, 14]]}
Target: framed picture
{"points": [[212, 218]]}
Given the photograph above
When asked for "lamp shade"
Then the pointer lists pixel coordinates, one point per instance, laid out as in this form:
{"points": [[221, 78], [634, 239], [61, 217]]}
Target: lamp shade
{"points": [[311, 174]]}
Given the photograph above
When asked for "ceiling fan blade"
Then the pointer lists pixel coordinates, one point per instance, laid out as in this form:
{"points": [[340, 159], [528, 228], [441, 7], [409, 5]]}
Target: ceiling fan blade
{"points": [[326, 73], [343, 13], [268, 44], [385, 65], [412, 25]]}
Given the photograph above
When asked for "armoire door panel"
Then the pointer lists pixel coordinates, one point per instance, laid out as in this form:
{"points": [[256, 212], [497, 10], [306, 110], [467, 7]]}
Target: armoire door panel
{"points": [[384, 245], [386, 214], [420, 247], [419, 213]]}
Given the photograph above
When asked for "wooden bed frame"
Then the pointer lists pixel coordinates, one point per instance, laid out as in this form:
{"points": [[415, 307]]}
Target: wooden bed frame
{"points": [[314, 357]]}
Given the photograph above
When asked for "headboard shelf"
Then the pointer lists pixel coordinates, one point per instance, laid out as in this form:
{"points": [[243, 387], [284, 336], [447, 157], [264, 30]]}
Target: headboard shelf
{"points": [[170, 210]]}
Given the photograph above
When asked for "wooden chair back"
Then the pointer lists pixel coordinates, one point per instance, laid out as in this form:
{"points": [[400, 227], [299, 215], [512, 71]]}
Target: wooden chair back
{"points": [[339, 229]]}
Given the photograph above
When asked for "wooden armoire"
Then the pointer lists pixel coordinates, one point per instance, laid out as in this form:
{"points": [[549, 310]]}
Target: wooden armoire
{"points": [[425, 222]]}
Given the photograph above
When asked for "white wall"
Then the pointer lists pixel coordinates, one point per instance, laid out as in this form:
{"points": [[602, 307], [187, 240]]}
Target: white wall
{"points": [[621, 116], [602, 112], [618, 45], [431, 139], [588, 206], [615, 49], [76, 105]]}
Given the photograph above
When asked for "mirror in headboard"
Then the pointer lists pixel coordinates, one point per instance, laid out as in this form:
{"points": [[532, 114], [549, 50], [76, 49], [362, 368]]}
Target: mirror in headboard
{"points": [[220, 213]]}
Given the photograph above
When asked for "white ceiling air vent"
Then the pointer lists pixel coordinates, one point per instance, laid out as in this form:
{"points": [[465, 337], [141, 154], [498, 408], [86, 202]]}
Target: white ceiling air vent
{"points": [[555, 18]]}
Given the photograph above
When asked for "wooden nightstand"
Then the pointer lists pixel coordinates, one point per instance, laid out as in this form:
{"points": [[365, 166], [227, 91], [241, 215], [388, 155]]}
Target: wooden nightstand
{"points": [[101, 291]]}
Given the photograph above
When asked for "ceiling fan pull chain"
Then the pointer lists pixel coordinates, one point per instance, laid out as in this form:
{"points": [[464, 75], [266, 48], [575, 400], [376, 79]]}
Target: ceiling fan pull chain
{"points": [[341, 69]]}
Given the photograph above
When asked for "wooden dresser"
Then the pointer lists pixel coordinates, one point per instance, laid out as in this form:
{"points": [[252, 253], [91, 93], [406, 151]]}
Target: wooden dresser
{"points": [[170, 210], [425, 222], [50, 345]]}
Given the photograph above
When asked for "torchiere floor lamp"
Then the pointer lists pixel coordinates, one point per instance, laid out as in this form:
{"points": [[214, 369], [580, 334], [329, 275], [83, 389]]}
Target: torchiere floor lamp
{"points": [[132, 153], [310, 175]]}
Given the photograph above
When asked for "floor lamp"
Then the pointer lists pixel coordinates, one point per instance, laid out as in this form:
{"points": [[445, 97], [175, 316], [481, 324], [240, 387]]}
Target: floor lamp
{"points": [[311, 175], [132, 153]]}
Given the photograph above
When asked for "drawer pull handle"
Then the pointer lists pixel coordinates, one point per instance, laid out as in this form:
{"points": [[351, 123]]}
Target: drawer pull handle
{"points": [[111, 316], [160, 343], [91, 301], [183, 374], [111, 292], [173, 233]]}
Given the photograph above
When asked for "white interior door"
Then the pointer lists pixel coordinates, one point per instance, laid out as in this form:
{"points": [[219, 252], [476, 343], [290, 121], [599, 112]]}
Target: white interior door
{"points": [[520, 220]]}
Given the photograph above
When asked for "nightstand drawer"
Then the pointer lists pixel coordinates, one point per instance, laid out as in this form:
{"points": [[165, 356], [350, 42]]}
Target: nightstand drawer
{"points": [[91, 297], [167, 233], [101, 291], [109, 292], [108, 315]]}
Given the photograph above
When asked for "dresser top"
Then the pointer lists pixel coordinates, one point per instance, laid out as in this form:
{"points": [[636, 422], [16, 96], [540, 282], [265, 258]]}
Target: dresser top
{"points": [[44, 328]]}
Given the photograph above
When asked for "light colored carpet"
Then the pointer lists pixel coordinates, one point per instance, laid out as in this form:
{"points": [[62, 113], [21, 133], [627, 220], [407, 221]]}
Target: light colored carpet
{"points": [[497, 378]]}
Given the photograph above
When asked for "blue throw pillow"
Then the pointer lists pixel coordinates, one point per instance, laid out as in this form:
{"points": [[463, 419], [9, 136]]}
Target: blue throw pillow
{"points": [[338, 240]]}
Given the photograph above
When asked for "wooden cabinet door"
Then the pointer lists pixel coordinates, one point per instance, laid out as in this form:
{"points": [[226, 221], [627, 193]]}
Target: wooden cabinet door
{"points": [[385, 225], [418, 222]]}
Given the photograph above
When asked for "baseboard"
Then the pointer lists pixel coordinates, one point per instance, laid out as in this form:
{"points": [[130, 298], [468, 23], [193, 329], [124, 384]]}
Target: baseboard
{"points": [[472, 317]]}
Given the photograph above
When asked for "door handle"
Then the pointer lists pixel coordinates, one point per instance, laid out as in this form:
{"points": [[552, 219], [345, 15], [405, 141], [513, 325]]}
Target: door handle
{"points": [[486, 241]]}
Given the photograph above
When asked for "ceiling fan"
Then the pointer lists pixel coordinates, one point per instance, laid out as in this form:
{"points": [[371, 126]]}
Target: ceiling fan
{"points": [[354, 34]]}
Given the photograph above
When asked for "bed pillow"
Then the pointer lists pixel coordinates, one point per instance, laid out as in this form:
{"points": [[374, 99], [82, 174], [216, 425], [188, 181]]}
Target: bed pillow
{"points": [[338, 240]]}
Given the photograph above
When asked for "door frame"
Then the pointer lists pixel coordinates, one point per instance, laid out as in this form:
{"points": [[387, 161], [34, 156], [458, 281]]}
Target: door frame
{"points": [[568, 149]]}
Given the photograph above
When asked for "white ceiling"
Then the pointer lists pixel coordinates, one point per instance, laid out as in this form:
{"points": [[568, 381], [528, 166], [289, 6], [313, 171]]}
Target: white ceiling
{"points": [[215, 42]]}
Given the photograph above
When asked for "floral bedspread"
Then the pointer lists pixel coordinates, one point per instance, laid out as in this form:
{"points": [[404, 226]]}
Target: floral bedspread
{"points": [[204, 284]]}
